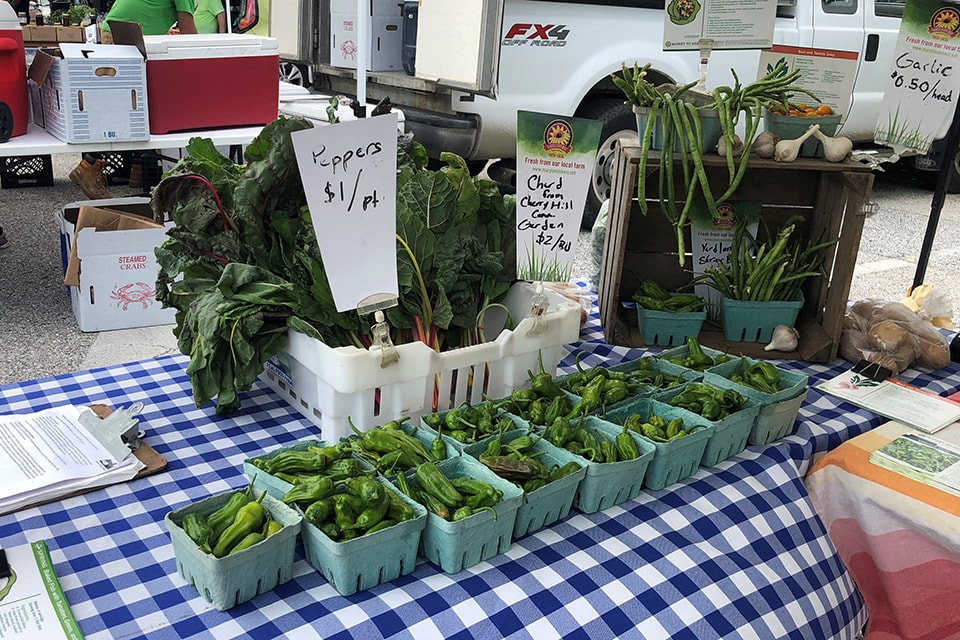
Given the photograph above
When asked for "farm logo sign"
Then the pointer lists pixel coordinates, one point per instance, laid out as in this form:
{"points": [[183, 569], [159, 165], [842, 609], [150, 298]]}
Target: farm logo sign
{"points": [[555, 158], [536, 35]]}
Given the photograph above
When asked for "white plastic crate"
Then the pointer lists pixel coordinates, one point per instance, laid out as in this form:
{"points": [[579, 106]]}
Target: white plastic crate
{"points": [[327, 385]]}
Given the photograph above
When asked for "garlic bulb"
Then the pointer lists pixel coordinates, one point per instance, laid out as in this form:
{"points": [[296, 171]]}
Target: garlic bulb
{"points": [[764, 144], [788, 150], [737, 146], [835, 149], [784, 338]]}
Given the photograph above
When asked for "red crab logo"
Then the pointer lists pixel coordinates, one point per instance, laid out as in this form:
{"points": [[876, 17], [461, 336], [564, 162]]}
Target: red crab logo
{"points": [[349, 50], [134, 292]]}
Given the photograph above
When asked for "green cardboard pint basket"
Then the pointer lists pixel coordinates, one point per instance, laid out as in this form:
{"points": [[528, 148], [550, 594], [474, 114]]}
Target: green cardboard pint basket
{"points": [[234, 579], [754, 321], [668, 329], [778, 411], [366, 561], [730, 434], [455, 546], [609, 483], [672, 461], [551, 502], [710, 129], [792, 127]]}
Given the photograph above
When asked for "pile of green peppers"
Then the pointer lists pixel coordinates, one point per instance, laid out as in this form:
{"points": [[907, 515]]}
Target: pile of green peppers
{"points": [[589, 443], [391, 448], [469, 423], [298, 466], [516, 460], [452, 499], [609, 387], [762, 376], [351, 508], [657, 428], [239, 524], [696, 359], [708, 401], [654, 297]]}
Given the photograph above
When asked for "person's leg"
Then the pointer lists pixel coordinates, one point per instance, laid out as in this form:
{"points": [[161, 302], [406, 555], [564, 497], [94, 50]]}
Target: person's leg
{"points": [[88, 175]]}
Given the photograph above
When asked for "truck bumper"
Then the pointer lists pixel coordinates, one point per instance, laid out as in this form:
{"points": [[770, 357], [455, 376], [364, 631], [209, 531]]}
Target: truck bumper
{"points": [[442, 132]]}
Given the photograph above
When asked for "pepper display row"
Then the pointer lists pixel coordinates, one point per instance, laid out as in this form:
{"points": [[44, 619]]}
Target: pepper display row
{"points": [[239, 524]]}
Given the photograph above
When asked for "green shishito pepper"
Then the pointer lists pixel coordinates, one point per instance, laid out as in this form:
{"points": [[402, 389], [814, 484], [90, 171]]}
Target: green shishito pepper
{"points": [[543, 383], [223, 517], [317, 488], [248, 519], [432, 481]]}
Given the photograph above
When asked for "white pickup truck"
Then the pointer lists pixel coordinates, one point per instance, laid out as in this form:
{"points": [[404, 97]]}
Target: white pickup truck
{"points": [[556, 56]]}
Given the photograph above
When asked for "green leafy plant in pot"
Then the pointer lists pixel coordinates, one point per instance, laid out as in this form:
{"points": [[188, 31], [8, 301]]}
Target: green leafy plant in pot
{"points": [[761, 285]]}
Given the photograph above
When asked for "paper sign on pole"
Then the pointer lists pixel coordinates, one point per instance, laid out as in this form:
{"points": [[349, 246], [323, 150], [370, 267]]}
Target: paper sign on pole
{"points": [[555, 157], [922, 88], [826, 73], [712, 236], [349, 173], [729, 24]]}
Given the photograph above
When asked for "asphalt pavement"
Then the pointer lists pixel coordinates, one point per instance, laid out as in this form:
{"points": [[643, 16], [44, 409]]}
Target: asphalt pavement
{"points": [[40, 336]]}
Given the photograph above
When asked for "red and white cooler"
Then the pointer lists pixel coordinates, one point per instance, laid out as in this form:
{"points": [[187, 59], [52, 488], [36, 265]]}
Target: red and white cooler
{"points": [[211, 81], [14, 111]]}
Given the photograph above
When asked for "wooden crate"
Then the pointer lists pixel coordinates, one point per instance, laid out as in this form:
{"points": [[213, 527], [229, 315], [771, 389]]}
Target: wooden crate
{"points": [[829, 196]]}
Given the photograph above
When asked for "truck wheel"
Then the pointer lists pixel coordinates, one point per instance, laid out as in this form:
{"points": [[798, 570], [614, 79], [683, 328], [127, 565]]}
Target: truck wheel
{"points": [[618, 121], [294, 74]]}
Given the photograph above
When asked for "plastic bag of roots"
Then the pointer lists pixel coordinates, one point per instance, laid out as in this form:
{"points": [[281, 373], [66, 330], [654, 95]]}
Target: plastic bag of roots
{"points": [[891, 335]]}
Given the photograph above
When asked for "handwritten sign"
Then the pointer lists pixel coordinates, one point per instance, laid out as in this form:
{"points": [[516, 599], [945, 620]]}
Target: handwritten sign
{"points": [[826, 73], [349, 173], [730, 24], [555, 157], [711, 238], [922, 88]]}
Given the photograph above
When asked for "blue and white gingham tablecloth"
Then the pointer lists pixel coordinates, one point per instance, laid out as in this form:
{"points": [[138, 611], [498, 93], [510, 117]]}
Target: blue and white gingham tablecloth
{"points": [[736, 551]]}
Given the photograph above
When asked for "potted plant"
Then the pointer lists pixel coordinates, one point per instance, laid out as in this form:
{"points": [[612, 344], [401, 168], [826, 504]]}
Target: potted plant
{"points": [[761, 284]]}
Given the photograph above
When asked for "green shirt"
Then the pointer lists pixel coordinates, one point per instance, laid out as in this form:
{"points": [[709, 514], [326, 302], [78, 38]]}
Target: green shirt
{"points": [[154, 16], [205, 15]]}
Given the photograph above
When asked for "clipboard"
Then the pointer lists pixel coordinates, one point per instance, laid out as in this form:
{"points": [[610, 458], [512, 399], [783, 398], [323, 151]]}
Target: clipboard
{"points": [[153, 462]]}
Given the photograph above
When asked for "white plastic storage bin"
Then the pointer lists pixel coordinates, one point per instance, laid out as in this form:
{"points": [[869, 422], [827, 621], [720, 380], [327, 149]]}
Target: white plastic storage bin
{"points": [[328, 385]]}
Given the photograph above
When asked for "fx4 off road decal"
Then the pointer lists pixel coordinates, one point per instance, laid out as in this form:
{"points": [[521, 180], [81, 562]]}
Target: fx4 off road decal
{"points": [[536, 35]]}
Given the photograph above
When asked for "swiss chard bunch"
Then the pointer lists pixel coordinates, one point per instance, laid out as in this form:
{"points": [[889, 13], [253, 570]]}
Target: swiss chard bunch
{"points": [[242, 265]]}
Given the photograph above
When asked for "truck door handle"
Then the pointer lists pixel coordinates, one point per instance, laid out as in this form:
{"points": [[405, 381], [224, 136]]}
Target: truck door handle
{"points": [[873, 43]]}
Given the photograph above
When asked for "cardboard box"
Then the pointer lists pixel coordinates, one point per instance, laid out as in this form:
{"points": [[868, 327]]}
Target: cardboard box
{"points": [[107, 248], [380, 8], [384, 50], [240, 83], [71, 34], [45, 33], [92, 92]]}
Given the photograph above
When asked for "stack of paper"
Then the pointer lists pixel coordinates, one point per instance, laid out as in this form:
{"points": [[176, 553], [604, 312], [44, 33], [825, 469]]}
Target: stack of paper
{"points": [[51, 454]]}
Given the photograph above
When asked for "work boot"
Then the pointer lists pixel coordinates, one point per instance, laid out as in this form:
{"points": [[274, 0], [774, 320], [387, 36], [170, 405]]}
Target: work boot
{"points": [[88, 175]]}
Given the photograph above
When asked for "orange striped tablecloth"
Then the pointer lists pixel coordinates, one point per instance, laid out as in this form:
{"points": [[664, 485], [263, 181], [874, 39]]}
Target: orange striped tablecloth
{"points": [[899, 538]]}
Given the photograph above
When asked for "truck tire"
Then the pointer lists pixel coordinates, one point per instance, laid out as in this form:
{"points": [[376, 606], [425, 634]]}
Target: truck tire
{"points": [[618, 121], [294, 74]]}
